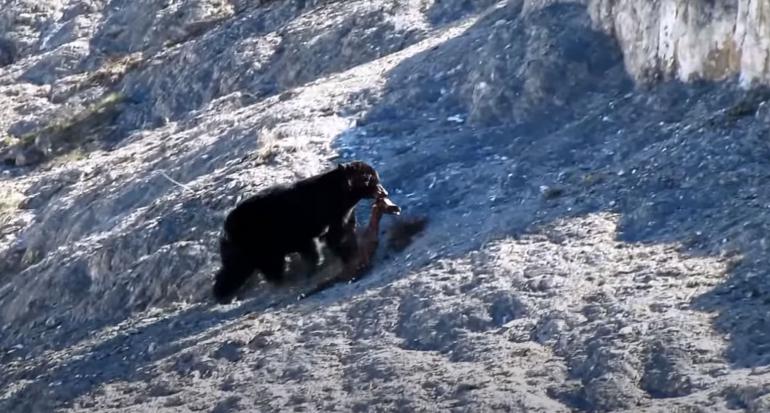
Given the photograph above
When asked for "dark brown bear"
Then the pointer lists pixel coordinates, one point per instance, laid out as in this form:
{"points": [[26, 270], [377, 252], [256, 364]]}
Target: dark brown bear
{"points": [[263, 229]]}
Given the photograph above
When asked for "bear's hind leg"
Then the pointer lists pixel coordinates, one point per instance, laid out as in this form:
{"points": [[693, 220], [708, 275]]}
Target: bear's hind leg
{"points": [[311, 255], [272, 265]]}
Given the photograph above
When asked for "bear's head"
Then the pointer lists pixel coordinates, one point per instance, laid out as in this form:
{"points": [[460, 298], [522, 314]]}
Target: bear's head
{"points": [[362, 180]]}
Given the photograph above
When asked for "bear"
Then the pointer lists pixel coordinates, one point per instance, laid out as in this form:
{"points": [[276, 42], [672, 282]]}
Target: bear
{"points": [[261, 230]]}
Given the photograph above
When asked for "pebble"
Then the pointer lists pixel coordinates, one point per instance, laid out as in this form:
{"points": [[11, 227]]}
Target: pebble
{"points": [[546, 284], [763, 112]]}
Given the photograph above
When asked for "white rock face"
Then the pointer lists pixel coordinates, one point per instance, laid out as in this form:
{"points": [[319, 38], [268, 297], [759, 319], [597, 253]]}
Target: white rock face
{"points": [[690, 39]]}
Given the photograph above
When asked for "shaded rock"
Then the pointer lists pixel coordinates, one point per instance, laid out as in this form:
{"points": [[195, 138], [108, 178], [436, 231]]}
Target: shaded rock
{"points": [[7, 52], [230, 351]]}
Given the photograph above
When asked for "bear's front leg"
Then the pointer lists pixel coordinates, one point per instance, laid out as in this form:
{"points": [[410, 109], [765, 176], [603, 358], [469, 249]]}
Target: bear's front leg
{"points": [[341, 238]]}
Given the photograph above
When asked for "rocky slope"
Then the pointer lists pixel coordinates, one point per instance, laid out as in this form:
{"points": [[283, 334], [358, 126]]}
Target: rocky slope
{"points": [[597, 228]]}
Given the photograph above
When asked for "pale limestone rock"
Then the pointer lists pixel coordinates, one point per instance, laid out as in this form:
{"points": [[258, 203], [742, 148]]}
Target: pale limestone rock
{"points": [[690, 39]]}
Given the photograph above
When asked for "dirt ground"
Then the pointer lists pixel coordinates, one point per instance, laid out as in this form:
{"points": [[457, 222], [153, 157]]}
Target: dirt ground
{"points": [[591, 245]]}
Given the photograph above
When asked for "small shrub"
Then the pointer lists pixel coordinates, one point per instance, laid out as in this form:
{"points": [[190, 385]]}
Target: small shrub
{"points": [[403, 230], [9, 200], [114, 69]]}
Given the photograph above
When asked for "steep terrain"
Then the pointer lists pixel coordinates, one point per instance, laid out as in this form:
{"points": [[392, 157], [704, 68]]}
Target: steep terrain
{"points": [[596, 236]]}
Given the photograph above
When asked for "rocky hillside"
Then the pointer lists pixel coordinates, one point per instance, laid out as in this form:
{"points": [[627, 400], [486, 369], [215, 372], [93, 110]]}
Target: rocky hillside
{"points": [[593, 173]]}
